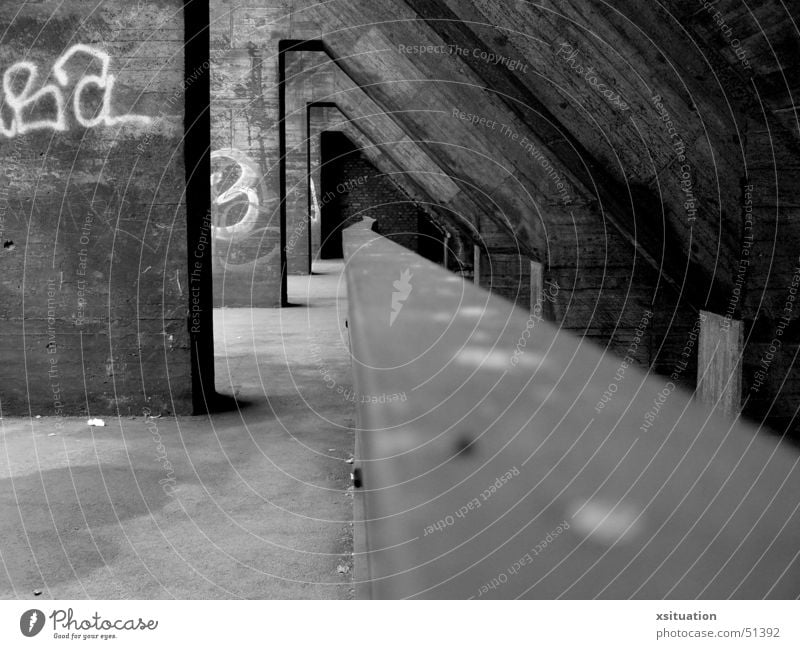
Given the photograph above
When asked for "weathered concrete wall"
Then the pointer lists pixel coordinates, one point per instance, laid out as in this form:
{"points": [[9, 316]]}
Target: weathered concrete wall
{"points": [[633, 199], [507, 179], [309, 78], [245, 115], [320, 119], [244, 142], [769, 279], [753, 54], [330, 118], [92, 219], [247, 147]]}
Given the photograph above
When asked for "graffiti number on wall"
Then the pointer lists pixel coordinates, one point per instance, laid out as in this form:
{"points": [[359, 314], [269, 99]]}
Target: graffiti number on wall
{"points": [[243, 186], [22, 100], [235, 184]]}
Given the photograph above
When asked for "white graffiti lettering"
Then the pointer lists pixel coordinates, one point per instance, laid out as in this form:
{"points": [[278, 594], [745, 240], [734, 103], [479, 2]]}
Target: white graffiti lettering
{"points": [[21, 100]]}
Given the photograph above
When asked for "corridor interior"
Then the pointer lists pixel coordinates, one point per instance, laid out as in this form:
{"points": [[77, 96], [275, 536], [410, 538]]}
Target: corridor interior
{"points": [[590, 300], [248, 503]]}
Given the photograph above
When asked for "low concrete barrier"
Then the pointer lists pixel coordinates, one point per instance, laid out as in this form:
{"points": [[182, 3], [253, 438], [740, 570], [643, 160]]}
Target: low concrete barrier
{"points": [[499, 457]]}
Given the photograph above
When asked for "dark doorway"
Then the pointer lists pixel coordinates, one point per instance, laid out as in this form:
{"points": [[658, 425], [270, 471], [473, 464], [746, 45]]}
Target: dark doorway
{"points": [[431, 240], [352, 188], [334, 150]]}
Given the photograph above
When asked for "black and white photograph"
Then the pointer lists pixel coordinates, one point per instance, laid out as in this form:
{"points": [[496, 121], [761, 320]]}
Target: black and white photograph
{"points": [[491, 305]]}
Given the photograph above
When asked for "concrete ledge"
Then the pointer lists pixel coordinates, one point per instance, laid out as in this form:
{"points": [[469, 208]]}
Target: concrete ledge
{"points": [[501, 470]]}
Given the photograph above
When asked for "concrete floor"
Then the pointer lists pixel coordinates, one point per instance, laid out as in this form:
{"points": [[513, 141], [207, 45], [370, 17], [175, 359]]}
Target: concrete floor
{"points": [[253, 503]]}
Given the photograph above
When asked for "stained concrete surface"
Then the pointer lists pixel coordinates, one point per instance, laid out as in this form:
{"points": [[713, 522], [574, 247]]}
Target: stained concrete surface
{"points": [[251, 503]]}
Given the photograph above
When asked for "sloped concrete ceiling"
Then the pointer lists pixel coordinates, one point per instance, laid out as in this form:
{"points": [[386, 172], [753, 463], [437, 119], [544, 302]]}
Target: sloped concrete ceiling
{"points": [[760, 44], [640, 110], [422, 94]]}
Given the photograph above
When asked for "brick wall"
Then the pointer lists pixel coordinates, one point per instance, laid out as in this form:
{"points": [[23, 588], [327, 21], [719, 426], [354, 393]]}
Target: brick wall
{"points": [[356, 189]]}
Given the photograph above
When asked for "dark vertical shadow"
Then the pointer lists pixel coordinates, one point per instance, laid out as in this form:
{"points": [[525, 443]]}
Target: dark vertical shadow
{"points": [[283, 47], [197, 141], [334, 150]]}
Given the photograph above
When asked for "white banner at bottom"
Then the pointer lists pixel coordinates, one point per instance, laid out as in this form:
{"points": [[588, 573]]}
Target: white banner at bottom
{"points": [[300, 624]]}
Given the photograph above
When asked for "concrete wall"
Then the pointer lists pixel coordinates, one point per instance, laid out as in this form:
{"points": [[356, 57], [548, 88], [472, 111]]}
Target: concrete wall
{"points": [[244, 142], [636, 207], [93, 268], [245, 115], [605, 289], [309, 78], [320, 119], [329, 117], [508, 179], [93, 223], [768, 275]]}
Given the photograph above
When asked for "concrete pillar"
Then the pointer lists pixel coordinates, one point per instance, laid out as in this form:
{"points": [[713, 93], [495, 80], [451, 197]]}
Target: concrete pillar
{"points": [[476, 265], [315, 182], [719, 363], [537, 282], [84, 301], [307, 78]]}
